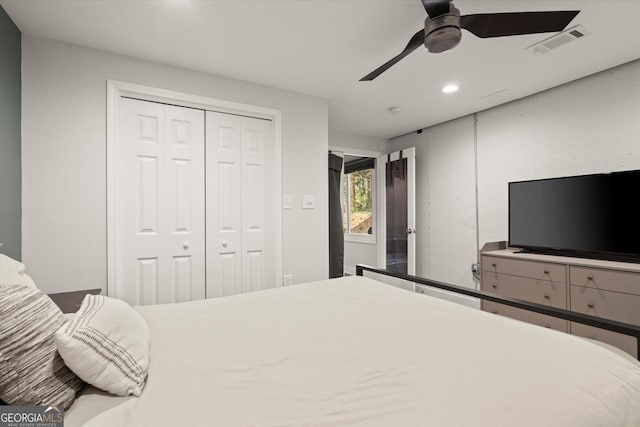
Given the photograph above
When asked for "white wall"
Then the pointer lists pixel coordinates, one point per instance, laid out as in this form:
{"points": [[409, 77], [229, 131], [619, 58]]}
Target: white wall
{"points": [[445, 200], [357, 252], [358, 142], [64, 159], [587, 126]]}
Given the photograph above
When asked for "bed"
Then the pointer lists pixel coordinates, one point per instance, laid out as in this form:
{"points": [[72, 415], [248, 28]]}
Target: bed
{"points": [[341, 352], [356, 352]]}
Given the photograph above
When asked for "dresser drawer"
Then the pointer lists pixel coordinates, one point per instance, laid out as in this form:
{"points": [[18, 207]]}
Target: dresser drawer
{"points": [[532, 269], [611, 280], [607, 304], [526, 316], [623, 342], [539, 291]]}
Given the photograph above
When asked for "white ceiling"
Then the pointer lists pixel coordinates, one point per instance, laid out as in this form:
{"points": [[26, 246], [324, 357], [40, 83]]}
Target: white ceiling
{"points": [[323, 47]]}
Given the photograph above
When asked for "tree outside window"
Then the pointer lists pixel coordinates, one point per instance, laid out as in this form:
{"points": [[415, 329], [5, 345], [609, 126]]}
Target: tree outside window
{"points": [[357, 193]]}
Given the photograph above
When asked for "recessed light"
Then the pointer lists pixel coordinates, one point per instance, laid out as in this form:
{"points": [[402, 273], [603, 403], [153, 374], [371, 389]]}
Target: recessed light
{"points": [[450, 88]]}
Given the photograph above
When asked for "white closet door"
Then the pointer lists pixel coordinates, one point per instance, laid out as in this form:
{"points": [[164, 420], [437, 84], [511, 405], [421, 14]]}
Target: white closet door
{"points": [[237, 187], [160, 198], [185, 215], [224, 204], [255, 136]]}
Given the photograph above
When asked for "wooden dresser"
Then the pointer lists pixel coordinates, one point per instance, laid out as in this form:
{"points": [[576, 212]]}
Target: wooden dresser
{"points": [[606, 289]]}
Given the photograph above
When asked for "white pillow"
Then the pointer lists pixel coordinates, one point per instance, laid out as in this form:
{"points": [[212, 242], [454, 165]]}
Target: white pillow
{"points": [[107, 345], [12, 272]]}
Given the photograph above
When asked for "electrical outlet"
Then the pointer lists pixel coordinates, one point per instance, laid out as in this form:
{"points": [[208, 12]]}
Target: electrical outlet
{"points": [[287, 201], [308, 202], [287, 279]]}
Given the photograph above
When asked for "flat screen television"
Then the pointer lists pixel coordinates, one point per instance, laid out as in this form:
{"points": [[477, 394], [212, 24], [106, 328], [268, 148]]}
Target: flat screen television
{"points": [[593, 216]]}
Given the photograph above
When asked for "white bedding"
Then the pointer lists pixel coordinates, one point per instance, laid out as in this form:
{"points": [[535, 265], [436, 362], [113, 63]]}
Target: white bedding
{"points": [[355, 352]]}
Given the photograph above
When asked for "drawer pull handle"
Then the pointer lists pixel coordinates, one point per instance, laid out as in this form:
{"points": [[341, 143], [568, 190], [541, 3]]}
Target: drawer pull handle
{"points": [[589, 277], [493, 264], [547, 326], [546, 272], [494, 286], [547, 296], [590, 305]]}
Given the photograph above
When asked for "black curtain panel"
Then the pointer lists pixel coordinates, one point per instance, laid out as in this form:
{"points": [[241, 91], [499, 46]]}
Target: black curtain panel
{"points": [[336, 234]]}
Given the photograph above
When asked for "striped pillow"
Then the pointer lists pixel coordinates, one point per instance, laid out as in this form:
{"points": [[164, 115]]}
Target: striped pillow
{"points": [[107, 345], [31, 370]]}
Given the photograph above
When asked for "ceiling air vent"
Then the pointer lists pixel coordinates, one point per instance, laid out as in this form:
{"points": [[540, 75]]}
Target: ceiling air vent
{"points": [[558, 40]]}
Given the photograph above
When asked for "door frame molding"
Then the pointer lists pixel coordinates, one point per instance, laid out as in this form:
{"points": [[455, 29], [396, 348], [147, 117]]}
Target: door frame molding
{"points": [[117, 89]]}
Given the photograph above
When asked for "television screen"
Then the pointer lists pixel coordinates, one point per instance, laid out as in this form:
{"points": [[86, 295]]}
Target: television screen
{"points": [[590, 215]]}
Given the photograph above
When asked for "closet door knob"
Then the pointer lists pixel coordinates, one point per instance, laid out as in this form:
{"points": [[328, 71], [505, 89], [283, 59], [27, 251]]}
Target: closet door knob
{"points": [[185, 245], [224, 243]]}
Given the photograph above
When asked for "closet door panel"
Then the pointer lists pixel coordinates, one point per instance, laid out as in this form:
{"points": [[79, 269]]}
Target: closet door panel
{"points": [[139, 184], [238, 152], [160, 198], [255, 134], [224, 204], [184, 211]]}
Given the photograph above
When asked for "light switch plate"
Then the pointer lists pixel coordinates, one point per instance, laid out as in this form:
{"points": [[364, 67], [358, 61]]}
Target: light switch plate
{"points": [[308, 202], [287, 201]]}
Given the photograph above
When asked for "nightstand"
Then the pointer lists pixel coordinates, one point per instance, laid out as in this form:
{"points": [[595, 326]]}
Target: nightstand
{"points": [[69, 302]]}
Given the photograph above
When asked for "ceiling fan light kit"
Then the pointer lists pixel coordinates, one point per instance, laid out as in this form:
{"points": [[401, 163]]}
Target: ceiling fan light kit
{"points": [[442, 28], [443, 32]]}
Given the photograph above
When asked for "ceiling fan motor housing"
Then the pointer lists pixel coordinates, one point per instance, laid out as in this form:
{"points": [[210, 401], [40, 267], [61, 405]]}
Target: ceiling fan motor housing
{"points": [[442, 33]]}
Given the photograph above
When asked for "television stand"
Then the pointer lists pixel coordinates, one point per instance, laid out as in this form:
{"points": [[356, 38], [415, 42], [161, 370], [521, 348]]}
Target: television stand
{"points": [[608, 289]]}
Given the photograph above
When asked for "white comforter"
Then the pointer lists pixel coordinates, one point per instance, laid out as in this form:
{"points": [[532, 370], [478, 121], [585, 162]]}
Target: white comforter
{"points": [[355, 352]]}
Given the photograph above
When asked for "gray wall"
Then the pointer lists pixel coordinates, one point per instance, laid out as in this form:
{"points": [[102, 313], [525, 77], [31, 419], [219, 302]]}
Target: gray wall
{"points": [[10, 162]]}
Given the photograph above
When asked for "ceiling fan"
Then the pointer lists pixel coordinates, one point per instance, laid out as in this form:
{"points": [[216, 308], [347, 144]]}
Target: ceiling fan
{"points": [[443, 24]]}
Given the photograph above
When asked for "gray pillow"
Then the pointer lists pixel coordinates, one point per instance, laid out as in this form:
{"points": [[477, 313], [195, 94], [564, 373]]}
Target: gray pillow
{"points": [[31, 370]]}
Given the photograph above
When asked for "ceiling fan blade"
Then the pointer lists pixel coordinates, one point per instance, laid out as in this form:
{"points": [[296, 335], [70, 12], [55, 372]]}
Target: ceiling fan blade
{"points": [[416, 41], [436, 7], [486, 25]]}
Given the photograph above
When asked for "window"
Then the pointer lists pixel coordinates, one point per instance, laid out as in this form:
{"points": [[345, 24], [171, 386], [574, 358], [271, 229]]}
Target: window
{"points": [[358, 199]]}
